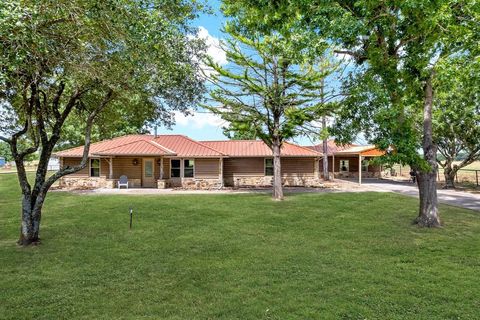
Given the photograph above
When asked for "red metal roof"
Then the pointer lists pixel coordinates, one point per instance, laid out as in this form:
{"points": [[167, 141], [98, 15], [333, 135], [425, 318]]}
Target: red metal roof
{"points": [[178, 145], [100, 146], [182, 146], [257, 148], [332, 147], [137, 148]]}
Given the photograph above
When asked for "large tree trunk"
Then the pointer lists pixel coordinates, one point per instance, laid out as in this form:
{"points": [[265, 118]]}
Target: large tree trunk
{"points": [[277, 171], [449, 174], [30, 224], [326, 175], [427, 178]]}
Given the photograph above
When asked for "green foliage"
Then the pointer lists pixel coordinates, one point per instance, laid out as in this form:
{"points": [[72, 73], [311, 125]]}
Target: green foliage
{"points": [[457, 110], [238, 256], [270, 87], [143, 52], [397, 47], [5, 151]]}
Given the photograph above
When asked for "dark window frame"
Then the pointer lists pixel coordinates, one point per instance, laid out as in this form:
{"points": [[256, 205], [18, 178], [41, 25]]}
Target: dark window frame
{"points": [[91, 168], [268, 170]]}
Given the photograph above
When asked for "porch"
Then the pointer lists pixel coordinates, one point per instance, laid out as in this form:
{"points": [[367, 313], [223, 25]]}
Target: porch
{"points": [[146, 172], [352, 166]]}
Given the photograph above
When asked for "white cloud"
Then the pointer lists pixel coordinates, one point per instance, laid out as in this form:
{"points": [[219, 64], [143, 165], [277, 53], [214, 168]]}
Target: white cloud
{"points": [[198, 120], [214, 49]]}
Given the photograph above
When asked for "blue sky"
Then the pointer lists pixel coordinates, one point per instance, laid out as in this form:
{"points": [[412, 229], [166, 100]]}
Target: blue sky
{"points": [[202, 125]]}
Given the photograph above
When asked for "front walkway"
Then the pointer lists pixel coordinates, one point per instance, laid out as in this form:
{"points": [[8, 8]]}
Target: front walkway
{"points": [[452, 197]]}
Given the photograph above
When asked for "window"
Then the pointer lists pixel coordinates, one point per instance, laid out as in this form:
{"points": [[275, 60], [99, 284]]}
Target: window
{"points": [[344, 166], [175, 168], [365, 165], [148, 168], [94, 167], [269, 167], [188, 168]]}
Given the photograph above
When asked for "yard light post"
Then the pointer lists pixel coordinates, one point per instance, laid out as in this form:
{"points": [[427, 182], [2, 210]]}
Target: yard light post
{"points": [[131, 217]]}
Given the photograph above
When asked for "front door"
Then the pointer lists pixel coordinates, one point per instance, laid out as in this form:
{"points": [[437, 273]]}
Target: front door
{"points": [[148, 175]]}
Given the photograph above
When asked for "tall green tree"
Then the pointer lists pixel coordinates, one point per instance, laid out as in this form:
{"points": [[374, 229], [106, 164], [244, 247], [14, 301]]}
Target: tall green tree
{"points": [[399, 46], [268, 89], [5, 151], [72, 62], [457, 114]]}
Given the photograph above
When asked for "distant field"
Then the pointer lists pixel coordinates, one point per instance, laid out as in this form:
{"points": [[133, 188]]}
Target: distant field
{"points": [[473, 166]]}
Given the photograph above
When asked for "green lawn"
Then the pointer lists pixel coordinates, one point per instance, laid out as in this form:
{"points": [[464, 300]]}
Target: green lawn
{"points": [[313, 256]]}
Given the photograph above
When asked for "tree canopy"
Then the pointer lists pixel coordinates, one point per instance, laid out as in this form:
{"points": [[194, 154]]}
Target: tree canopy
{"points": [[73, 63], [268, 90]]}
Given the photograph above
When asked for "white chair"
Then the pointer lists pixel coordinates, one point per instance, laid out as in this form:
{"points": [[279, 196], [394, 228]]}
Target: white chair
{"points": [[123, 181]]}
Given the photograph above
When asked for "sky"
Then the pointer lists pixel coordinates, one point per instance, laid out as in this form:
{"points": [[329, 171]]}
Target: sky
{"points": [[203, 125]]}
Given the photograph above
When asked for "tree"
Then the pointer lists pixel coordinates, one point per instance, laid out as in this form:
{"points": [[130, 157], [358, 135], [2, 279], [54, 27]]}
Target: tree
{"points": [[457, 114], [268, 89], [233, 132], [398, 46], [73, 62], [5, 151]]}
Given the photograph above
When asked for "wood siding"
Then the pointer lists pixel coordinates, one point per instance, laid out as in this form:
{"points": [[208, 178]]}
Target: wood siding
{"points": [[104, 168], [166, 168], [304, 167], [124, 166], [207, 168], [243, 167], [121, 166], [248, 167]]}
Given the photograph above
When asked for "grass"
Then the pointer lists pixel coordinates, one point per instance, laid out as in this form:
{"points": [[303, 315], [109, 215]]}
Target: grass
{"points": [[313, 256]]}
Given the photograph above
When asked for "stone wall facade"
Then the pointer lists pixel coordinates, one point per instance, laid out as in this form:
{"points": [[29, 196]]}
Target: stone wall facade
{"points": [[83, 183], [94, 183], [198, 184], [355, 175], [266, 181]]}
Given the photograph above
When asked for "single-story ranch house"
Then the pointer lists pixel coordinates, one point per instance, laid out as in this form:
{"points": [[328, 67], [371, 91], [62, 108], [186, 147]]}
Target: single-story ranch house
{"points": [[166, 161]]}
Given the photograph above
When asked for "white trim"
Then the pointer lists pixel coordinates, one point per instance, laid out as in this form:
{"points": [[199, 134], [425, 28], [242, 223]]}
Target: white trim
{"points": [[161, 169], [90, 167]]}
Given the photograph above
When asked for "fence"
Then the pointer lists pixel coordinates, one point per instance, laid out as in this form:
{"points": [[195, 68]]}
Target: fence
{"points": [[469, 176]]}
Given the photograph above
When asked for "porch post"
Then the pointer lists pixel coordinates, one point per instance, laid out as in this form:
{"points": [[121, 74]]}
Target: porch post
{"points": [[110, 167], [182, 169], [359, 168], [220, 176], [161, 168], [316, 168], [333, 166]]}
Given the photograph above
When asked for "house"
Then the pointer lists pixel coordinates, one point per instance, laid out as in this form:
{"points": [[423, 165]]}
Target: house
{"points": [[178, 161], [350, 161]]}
